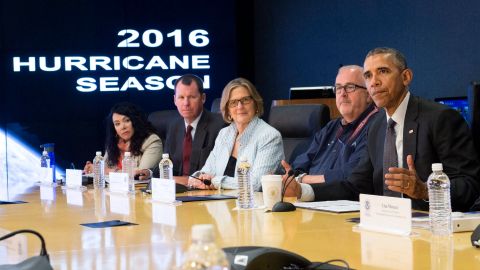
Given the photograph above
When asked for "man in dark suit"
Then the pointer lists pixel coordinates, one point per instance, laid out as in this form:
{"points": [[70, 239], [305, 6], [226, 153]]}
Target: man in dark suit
{"points": [[189, 99], [190, 138], [428, 133]]}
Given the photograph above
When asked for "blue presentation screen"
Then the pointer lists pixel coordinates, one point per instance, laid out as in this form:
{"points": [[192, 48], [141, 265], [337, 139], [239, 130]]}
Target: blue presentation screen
{"points": [[460, 104], [65, 63]]}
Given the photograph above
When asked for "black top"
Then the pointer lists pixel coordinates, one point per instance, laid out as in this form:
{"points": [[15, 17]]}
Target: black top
{"points": [[230, 169]]}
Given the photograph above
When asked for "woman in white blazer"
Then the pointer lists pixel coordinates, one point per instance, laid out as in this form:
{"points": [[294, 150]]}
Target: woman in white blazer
{"points": [[246, 136]]}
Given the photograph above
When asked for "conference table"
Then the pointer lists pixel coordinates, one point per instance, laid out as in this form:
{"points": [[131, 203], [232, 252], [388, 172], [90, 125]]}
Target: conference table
{"points": [[163, 233]]}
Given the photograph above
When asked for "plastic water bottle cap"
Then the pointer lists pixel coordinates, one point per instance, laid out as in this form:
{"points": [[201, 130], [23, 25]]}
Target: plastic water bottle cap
{"points": [[437, 167], [203, 232], [165, 155], [44, 153], [98, 153], [127, 154]]}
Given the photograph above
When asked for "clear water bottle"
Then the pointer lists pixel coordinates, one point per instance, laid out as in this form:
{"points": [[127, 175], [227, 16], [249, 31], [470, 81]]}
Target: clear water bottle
{"points": [[45, 160], [439, 201], [128, 166], [165, 167], [203, 253], [245, 188], [50, 147], [98, 171]]}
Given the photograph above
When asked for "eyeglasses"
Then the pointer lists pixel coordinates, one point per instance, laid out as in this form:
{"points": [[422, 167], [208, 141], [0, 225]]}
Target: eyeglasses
{"points": [[245, 100], [349, 88]]}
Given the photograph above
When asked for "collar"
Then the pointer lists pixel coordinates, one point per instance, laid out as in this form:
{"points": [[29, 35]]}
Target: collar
{"points": [[248, 130], [194, 124], [360, 118], [358, 124], [399, 114]]}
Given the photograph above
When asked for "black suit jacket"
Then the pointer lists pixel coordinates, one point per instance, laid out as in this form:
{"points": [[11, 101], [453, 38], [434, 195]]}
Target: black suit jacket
{"points": [[207, 130], [433, 133]]}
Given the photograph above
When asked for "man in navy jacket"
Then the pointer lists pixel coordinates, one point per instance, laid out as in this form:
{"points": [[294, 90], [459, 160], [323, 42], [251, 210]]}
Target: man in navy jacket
{"points": [[338, 147]]}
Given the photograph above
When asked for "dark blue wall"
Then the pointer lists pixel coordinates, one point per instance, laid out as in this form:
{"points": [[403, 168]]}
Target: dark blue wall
{"points": [[39, 107], [303, 42]]}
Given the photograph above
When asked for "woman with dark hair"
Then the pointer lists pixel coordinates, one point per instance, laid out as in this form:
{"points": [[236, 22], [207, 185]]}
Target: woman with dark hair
{"points": [[129, 131]]}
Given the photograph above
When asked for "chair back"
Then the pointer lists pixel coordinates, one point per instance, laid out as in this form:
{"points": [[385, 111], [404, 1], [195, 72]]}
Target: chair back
{"points": [[216, 106], [161, 120], [298, 124], [474, 107]]}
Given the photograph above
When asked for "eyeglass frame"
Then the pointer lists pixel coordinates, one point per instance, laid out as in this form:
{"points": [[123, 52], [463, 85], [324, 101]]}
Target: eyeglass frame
{"points": [[244, 100], [344, 87]]}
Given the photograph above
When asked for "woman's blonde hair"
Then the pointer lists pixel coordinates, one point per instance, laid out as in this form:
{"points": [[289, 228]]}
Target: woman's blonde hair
{"points": [[240, 82]]}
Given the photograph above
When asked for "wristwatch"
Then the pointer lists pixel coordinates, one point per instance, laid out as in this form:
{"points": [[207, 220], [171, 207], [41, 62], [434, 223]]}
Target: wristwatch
{"points": [[300, 177]]}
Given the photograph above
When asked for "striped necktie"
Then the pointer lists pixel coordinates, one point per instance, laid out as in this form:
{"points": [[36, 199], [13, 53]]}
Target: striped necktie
{"points": [[390, 157], [187, 150]]}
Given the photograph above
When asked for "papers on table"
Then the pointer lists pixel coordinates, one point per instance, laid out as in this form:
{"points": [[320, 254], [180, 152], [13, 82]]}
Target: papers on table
{"points": [[462, 222], [340, 206], [205, 198], [136, 182]]}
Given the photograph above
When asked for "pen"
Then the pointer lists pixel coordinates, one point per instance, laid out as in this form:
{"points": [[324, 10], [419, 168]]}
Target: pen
{"points": [[205, 182]]}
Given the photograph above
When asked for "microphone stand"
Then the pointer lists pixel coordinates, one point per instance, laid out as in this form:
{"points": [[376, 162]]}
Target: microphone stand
{"points": [[282, 206]]}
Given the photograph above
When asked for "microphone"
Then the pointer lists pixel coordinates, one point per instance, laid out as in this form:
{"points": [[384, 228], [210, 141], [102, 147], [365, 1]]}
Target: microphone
{"points": [[282, 206]]}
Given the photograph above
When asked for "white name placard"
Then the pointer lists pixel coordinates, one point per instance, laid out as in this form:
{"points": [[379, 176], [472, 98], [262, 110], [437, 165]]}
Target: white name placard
{"points": [[118, 182], [163, 190], [385, 214], [46, 175], [74, 178]]}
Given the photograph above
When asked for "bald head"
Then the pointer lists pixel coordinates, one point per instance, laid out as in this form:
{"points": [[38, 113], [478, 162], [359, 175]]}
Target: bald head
{"points": [[352, 104], [354, 72]]}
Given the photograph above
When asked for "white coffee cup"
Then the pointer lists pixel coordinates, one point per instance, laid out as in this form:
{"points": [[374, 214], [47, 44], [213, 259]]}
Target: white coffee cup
{"points": [[271, 189]]}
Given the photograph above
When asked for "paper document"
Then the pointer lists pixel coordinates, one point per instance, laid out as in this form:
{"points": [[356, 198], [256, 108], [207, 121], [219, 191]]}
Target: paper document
{"points": [[340, 206], [461, 222]]}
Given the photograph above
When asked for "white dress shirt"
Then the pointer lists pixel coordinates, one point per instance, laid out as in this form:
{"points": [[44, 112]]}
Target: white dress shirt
{"points": [[399, 118], [194, 125]]}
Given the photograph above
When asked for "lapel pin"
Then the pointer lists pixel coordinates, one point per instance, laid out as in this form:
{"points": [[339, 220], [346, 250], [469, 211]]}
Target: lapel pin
{"points": [[410, 131]]}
